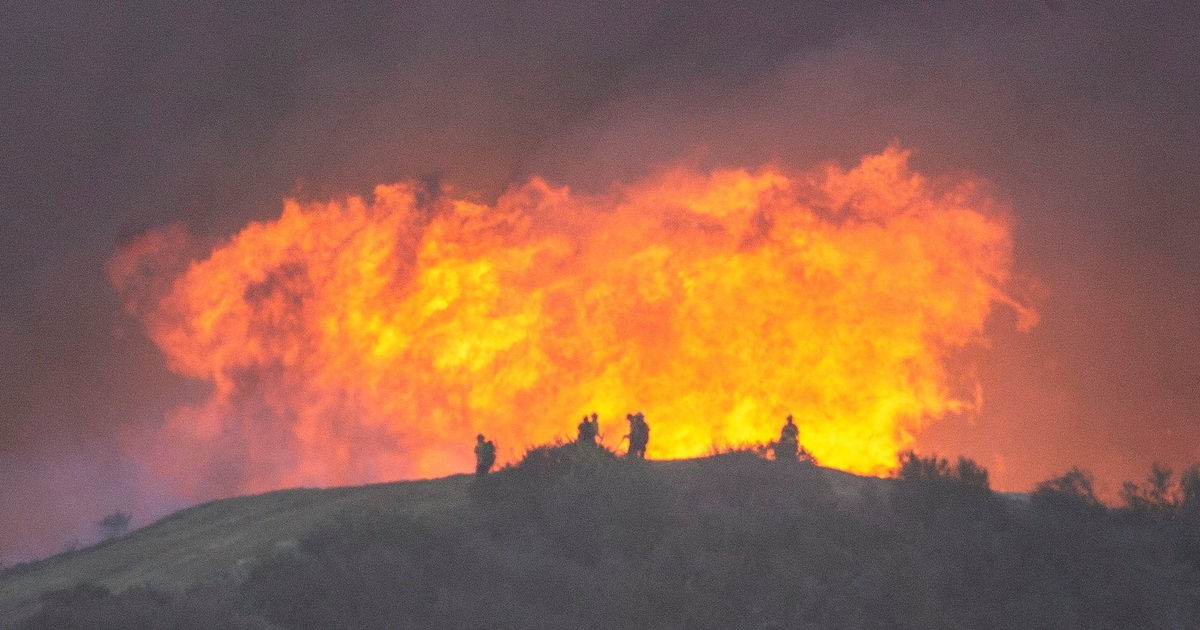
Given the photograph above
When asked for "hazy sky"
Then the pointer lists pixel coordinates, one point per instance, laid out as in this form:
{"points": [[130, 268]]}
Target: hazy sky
{"points": [[117, 118]]}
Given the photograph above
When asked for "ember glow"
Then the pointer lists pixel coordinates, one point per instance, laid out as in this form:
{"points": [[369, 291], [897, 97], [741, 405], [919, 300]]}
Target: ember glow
{"points": [[359, 340]]}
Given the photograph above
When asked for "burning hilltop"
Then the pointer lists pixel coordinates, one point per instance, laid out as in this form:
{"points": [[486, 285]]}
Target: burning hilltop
{"points": [[360, 339]]}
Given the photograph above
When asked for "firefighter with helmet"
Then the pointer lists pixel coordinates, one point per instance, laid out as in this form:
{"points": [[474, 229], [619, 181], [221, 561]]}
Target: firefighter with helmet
{"points": [[787, 449], [639, 435], [485, 455]]}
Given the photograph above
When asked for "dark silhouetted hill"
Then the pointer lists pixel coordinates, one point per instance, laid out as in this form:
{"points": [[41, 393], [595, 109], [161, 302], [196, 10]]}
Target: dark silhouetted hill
{"points": [[576, 538]]}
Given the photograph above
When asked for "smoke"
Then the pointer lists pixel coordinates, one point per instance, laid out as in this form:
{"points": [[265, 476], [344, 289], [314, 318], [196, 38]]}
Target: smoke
{"points": [[122, 119]]}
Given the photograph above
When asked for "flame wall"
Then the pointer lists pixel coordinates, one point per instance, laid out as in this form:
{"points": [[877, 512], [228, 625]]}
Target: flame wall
{"points": [[359, 340]]}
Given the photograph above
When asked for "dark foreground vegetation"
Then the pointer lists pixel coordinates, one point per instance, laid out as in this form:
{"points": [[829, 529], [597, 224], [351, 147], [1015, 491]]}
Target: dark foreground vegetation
{"points": [[576, 538]]}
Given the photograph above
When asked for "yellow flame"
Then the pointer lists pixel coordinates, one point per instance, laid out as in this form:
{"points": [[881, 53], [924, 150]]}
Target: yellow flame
{"points": [[359, 340]]}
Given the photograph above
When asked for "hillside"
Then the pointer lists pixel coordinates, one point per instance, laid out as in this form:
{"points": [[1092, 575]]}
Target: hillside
{"points": [[219, 538], [225, 537], [569, 541]]}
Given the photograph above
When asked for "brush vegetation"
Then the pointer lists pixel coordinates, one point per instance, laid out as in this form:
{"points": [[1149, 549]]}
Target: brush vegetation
{"points": [[577, 538]]}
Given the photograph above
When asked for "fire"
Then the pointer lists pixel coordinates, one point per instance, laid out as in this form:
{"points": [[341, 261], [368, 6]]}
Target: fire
{"points": [[366, 339]]}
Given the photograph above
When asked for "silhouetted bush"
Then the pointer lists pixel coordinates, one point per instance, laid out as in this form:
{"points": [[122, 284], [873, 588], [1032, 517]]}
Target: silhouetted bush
{"points": [[1189, 489], [554, 460], [969, 473], [1074, 490], [523, 482], [760, 450], [114, 525], [913, 467], [931, 489], [1159, 496]]}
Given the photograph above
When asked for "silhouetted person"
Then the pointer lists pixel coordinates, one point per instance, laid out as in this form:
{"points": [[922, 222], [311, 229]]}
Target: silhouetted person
{"points": [[639, 435], [588, 430], [485, 455], [788, 447]]}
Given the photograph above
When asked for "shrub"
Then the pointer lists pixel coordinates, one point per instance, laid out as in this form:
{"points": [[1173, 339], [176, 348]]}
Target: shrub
{"points": [[969, 473], [933, 489], [113, 526], [913, 467], [802, 454], [520, 486], [1189, 489], [1158, 495], [1075, 489], [749, 449]]}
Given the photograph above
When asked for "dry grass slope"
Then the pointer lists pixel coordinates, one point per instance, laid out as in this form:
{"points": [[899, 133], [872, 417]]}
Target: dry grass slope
{"points": [[219, 539], [224, 539]]}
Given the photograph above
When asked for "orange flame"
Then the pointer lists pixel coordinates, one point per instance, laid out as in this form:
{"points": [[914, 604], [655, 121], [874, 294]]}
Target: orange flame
{"points": [[357, 340]]}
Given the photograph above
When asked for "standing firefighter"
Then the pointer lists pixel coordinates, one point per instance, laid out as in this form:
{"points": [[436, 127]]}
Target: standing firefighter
{"points": [[639, 435], [588, 430], [788, 446], [485, 455]]}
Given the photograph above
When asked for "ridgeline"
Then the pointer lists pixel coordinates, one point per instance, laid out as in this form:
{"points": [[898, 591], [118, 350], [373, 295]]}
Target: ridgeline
{"points": [[577, 538]]}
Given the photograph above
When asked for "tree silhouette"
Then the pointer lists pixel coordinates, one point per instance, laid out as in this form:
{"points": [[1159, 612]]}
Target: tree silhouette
{"points": [[114, 525]]}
